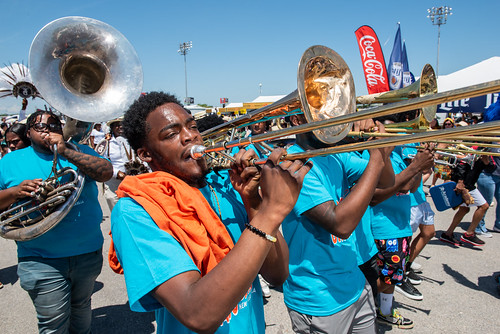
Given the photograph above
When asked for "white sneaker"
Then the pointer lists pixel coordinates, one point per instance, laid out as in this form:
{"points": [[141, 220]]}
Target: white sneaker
{"points": [[266, 292], [484, 234], [417, 267]]}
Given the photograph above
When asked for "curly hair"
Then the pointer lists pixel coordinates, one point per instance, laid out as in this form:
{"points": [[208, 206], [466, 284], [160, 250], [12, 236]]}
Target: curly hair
{"points": [[134, 124], [208, 122]]}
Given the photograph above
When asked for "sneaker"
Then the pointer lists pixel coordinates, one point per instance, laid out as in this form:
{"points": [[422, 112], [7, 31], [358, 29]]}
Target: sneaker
{"points": [[1, 285], [413, 277], [394, 319], [496, 229], [449, 239], [472, 239], [266, 292], [408, 290], [417, 267], [484, 234]]}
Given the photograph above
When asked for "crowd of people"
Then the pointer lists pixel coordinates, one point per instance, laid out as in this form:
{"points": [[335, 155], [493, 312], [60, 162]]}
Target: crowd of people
{"points": [[339, 232]]}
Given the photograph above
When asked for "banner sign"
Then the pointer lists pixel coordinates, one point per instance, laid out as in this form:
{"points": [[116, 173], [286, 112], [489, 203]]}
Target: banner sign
{"points": [[473, 105], [373, 60], [395, 68], [408, 77]]}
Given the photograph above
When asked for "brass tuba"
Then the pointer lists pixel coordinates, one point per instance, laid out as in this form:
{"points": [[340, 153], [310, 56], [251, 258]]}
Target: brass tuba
{"points": [[90, 72]]}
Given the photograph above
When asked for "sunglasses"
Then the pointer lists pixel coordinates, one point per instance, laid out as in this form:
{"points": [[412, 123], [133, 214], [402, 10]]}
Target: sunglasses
{"points": [[448, 124], [47, 126], [12, 142]]}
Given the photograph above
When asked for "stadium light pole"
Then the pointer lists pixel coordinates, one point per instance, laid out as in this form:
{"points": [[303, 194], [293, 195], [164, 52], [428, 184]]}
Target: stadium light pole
{"points": [[183, 50], [438, 16]]}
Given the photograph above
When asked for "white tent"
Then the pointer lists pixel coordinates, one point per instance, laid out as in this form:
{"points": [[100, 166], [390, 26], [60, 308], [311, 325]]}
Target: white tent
{"points": [[269, 98], [484, 71]]}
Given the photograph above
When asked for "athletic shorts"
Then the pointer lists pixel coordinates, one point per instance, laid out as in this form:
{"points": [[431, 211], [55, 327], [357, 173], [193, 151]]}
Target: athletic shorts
{"points": [[358, 317], [393, 254], [478, 198], [421, 214]]}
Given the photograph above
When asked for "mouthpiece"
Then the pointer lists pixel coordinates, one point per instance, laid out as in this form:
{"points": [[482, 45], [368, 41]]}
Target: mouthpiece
{"points": [[198, 151]]}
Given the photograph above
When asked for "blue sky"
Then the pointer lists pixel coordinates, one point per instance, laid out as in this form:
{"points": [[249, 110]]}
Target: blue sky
{"points": [[238, 45]]}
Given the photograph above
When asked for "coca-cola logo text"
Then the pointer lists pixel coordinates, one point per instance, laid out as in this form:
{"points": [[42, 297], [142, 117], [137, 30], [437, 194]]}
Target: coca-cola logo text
{"points": [[374, 68]]}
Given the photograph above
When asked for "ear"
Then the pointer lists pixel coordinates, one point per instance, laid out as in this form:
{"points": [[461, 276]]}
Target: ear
{"points": [[295, 120], [144, 154], [28, 134]]}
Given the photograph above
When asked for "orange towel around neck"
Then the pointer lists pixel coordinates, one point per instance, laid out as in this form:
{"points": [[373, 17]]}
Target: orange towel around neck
{"points": [[183, 212]]}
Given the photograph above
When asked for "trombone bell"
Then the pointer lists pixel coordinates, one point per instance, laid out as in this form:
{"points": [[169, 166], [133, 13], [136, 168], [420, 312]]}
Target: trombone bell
{"points": [[326, 90], [425, 85]]}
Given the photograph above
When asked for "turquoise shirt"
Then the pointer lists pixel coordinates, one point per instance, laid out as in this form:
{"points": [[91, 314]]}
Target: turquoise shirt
{"points": [[391, 218], [324, 276], [364, 236], [417, 197], [79, 232], [151, 256]]}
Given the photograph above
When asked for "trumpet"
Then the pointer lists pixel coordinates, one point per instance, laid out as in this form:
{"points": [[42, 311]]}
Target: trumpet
{"points": [[448, 159]]}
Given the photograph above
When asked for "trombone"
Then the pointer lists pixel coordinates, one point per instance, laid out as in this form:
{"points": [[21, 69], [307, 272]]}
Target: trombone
{"points": [[198, 151], [425, 85], [396, 107], [464, 140], [325, 95]]}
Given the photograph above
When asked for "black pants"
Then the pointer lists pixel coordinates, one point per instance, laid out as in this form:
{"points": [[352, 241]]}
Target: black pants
{"points": [[371, 271]]}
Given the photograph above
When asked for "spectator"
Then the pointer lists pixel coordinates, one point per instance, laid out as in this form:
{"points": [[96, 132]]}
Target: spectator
{"points": [[16, 137]]}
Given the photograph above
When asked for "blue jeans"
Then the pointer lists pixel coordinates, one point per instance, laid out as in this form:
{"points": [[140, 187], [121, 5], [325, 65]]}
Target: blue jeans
{"points": [[489, 186], [61, 289]]}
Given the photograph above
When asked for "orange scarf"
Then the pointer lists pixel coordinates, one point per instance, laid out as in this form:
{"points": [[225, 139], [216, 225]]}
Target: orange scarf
{"points": [[183, 212]]}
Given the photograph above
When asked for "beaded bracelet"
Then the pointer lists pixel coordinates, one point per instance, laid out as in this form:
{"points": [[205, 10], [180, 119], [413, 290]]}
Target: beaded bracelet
{"points": [[260, 233]]}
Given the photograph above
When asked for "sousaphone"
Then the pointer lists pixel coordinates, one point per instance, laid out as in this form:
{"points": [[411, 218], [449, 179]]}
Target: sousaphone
{"points": [[90, 72]]}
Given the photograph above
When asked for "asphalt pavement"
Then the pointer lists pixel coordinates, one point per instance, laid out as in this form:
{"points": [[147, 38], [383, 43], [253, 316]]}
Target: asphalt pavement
{"points": [[460, 294]]}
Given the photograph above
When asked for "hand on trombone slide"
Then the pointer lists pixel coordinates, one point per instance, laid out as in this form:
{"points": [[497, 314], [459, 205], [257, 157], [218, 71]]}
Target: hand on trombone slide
{"points": [[424, 159], [272, 178], [369, 125]]}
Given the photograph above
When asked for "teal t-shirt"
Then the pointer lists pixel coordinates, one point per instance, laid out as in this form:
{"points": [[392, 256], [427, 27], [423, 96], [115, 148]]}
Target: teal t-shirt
{"points": [[324, 276], [391, 218], [79, 232], [151, 256], [364, 236], [418, 197]]}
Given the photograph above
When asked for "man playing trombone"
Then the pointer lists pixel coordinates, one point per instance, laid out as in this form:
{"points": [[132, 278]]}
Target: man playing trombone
{"points": [[189, 249], [326, 292]]}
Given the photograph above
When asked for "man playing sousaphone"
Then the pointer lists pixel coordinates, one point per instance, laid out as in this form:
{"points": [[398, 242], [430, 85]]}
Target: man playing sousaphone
{"points": [[57, 269]]}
